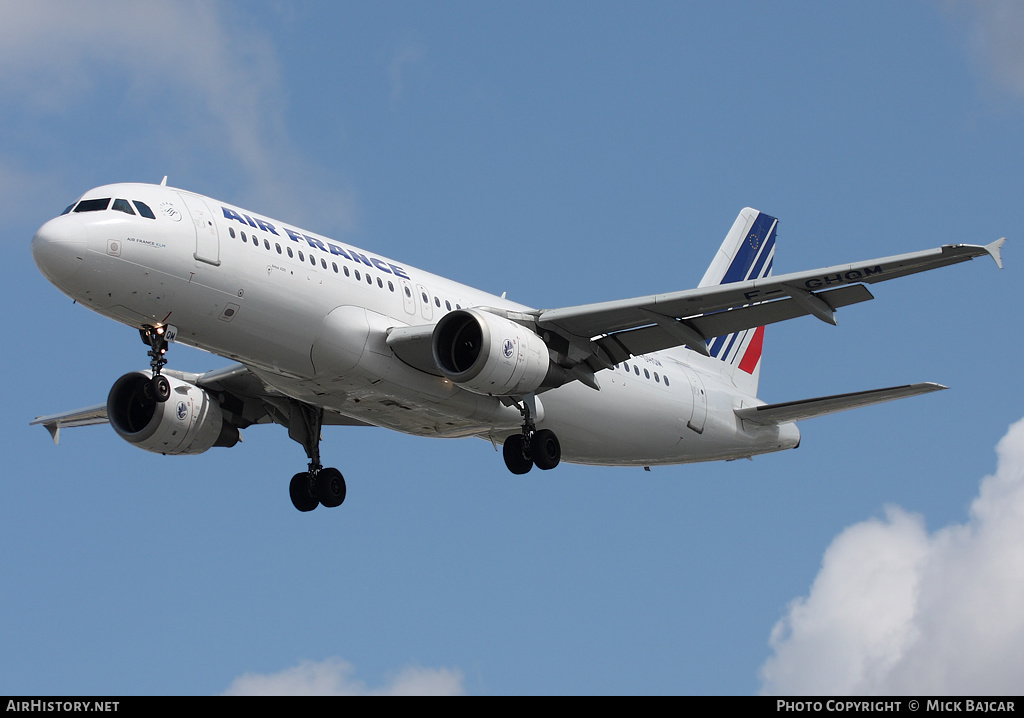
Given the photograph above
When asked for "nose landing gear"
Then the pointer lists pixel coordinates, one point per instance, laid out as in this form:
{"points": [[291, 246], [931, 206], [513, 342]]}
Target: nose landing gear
{"points": [[157, 338]]}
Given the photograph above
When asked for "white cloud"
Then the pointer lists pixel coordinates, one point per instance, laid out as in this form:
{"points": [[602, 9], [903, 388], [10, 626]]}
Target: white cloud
{"points": [[994, 30], [410, 55], [218, 73], [334, 677], [896, 610]]}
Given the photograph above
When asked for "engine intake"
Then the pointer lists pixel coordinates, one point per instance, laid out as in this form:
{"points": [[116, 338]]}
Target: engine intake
{"points": [[488, 354], [189, 422]]}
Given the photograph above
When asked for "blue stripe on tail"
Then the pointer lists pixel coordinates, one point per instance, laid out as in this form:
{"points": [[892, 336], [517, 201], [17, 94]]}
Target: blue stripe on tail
{"points": [[753, 260]]}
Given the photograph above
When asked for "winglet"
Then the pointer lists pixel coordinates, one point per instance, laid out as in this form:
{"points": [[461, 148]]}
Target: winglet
{"points": [[994, 251], [54, 428]]}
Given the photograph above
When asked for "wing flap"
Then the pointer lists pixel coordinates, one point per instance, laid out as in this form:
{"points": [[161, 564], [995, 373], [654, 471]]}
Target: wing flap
{"points": [[644, 340], [808, 408]]}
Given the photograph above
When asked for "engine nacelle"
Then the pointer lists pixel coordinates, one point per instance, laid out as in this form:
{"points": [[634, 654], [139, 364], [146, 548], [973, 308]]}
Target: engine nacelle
{"points": [[189, 422], [488, 354]]}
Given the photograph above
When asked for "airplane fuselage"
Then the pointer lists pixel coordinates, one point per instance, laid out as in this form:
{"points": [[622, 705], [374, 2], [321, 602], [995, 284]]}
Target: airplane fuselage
{"points": [[310, 316]]}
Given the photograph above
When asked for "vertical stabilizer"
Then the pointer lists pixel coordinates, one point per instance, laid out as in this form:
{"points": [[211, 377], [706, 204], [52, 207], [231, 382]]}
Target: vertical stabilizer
{"points": [[746, 253]]}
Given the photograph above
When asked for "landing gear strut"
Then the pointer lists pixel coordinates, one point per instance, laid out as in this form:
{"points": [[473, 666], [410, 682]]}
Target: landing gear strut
{"points": [[158, 388], [532, 447], [318, 485]]}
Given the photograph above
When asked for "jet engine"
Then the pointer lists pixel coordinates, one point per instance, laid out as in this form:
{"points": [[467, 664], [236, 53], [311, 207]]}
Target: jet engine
{"points": [[488, 354], [189, 422]]}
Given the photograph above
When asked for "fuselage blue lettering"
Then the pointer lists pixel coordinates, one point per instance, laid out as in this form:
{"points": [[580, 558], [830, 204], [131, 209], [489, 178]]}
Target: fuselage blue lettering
{"points": [[356, 256], [335, 249], [232, 214], [314, 242], [266, 226], [317, 243]]}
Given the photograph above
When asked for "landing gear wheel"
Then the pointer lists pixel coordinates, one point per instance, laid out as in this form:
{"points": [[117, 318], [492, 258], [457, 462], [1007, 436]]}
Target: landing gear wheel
{"points": [[160, 388], [302, 499], [330, 487], [547, 452], [518, 454]]}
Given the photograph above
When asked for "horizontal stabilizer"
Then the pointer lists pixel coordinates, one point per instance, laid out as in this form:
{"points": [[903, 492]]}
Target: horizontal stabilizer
{"points": [[808, 408]]}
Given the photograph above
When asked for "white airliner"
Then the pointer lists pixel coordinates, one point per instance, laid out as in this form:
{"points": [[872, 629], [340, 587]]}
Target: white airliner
{"points": [[325, 333]]}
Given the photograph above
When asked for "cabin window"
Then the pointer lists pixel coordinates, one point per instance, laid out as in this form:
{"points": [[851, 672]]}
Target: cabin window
{"points": [[266, 244], [647, 374], [334, 266], [145, 211], [93, 205], [277, 247], [231, 231], [358, 276], [346, 271], [121, 205], [290, 253], [666, 381], [369, 279], [380, 283], [391, 286]]}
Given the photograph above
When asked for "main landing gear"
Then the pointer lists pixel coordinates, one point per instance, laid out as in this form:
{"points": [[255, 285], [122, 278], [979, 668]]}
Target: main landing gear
{"points": [[532, 447], [158, 388], [318, 485]]}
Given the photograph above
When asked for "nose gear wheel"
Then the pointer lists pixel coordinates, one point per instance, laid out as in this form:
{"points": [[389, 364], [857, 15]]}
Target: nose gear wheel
{"points": [[158, 389]]}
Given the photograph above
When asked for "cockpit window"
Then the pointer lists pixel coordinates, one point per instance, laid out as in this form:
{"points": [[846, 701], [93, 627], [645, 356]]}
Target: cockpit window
{"points": [[121, 205], [70, 207], [93, 205], [144, 209]]}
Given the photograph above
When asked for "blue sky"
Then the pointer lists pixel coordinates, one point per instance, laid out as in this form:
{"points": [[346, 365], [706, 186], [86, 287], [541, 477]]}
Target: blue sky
{"points": [[564, 153]]}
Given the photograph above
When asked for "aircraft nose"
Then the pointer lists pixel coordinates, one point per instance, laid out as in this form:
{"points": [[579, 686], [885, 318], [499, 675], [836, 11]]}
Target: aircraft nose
{"points": [[58, 248]]}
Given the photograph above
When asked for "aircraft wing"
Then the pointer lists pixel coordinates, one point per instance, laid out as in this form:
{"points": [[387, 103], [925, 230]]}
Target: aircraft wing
{"points": [[244, 399], [82, 417], [809, 408], [607, 333]]}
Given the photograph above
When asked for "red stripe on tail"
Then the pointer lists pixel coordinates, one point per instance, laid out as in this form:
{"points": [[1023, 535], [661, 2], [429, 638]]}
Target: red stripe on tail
{"points": [[753, 354]]}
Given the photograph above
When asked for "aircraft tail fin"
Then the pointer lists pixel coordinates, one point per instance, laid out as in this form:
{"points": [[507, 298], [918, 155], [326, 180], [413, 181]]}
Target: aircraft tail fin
{"points": [[746, 253]]}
